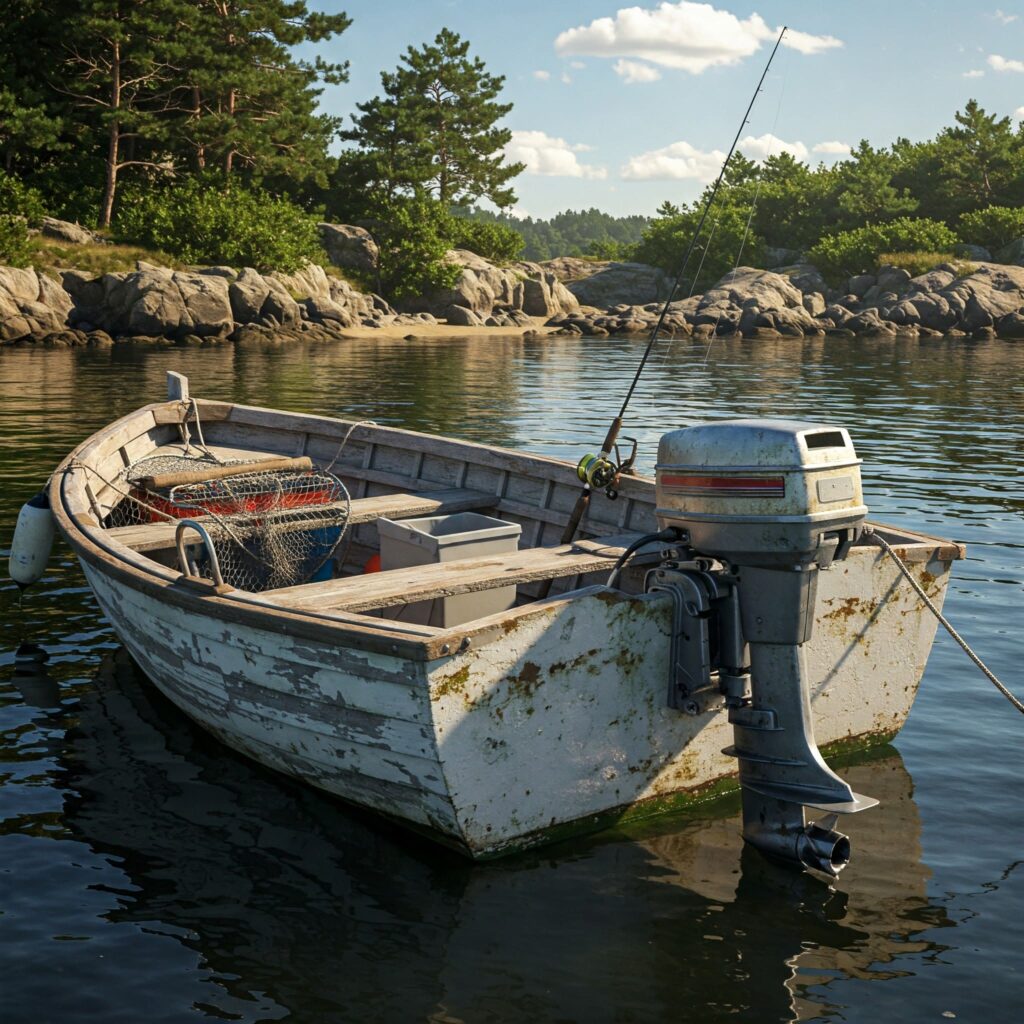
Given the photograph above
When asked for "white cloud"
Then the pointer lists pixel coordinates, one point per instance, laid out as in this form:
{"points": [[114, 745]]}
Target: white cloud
{"points": [[766, 145], [1019, 113], [632, 71], [998, 63], [1003, 17], [577, 65], [975, 73], [681, 160], [804, 42], [686, 35], [544, 154], [833, 148], [542, 75], [566, 78]]}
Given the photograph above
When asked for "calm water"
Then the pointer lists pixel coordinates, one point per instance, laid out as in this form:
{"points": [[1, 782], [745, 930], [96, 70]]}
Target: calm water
{"points": [[146, 874]]}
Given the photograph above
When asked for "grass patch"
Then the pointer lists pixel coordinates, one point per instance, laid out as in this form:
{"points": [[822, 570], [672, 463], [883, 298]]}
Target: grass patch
{"points": [[917, 263], [96, 259], [336, 272]]}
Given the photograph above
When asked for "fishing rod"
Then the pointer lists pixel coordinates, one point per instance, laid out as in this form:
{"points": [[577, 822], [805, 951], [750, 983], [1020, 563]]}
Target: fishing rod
{"points": [[599, 471]]}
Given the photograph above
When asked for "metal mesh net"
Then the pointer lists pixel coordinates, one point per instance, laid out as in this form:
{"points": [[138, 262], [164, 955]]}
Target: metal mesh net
{"points": [[269, 529]]}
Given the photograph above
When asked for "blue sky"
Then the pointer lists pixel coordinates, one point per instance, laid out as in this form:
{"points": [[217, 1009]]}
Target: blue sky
{"points": [[622, 107]]}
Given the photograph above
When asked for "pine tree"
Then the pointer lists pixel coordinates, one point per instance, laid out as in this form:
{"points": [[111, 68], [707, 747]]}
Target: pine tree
{"points": [[979, 160], [867, 194], [251, 106], [30, 115], [435, 129], [122, 72]]}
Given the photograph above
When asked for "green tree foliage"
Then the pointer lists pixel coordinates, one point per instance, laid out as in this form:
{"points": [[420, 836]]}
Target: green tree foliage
{"points": [[866, 193], [980, 161], [724, 238], [24, 128], [847, 215], [30, 121], [493, 241], [845, 253], [992, 227], [96, 91], [201, 223], [792, 204], [21, 207], [119, 73], [435, 129], [430, 142], [247, 104]]}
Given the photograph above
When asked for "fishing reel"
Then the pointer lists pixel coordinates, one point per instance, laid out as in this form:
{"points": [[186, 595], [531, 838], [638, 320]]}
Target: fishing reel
{"points": [[601, 472]]}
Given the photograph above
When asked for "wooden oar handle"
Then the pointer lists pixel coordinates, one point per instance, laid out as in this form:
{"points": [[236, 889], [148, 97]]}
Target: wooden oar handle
{"points": [[198, 476]]}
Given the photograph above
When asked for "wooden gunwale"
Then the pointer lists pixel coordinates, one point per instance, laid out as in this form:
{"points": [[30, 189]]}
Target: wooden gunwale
{"points": [[105, 554]]}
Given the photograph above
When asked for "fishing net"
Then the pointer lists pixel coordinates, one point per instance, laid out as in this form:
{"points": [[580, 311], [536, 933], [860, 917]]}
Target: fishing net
{"points": [[269, 529]]}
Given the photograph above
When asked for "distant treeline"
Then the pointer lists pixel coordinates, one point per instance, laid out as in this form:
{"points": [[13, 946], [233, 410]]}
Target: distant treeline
{"points": [[572, 233]]}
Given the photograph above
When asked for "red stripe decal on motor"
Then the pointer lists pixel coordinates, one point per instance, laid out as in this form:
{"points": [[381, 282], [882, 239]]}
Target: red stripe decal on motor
{"points": [[748, 486]]}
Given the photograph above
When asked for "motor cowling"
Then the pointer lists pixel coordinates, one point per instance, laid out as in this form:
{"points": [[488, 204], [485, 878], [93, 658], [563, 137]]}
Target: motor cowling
{"points": [[767, 493]]}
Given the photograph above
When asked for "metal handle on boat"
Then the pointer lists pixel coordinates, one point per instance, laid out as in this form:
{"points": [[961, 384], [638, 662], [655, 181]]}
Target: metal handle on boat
{"points": [[187, 568]]}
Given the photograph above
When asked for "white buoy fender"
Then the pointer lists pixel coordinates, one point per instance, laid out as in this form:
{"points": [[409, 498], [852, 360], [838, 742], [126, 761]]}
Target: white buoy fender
{"points": [[33, 539]]}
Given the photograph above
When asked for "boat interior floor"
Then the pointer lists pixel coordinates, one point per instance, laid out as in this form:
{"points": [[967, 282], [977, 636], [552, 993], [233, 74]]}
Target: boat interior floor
{"points": [[529, 569]]}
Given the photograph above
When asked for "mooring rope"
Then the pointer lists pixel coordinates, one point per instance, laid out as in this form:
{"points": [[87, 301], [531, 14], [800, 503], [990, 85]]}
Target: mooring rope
{"points": [[888, 549]]}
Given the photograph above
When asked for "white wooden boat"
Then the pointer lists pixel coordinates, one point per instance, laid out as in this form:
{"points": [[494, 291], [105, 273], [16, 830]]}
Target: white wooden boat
{"points": [[499, 733]]}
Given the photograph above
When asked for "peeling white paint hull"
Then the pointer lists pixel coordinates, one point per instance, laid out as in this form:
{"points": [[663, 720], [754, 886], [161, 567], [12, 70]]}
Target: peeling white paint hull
{"points": [[508, 731], [555, 721]]}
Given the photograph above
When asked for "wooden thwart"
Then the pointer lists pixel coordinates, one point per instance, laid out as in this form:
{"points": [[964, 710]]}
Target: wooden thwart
{"points": [[448, 579], [155, 536]]}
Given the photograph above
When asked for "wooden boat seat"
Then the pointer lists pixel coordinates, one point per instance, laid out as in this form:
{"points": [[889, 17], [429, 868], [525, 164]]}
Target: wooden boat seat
{"points": [[447, 579], [157, 536]]}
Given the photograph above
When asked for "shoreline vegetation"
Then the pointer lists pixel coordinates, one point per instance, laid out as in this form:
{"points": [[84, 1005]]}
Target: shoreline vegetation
{"points": [[211, 305], [171, 174]]}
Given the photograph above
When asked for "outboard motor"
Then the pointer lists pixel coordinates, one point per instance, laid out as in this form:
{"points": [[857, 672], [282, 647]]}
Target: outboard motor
{"points": [[765, 504]]}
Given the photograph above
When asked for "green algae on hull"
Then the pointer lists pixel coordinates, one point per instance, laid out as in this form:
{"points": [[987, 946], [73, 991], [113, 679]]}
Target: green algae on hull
{"points": [[717, 798]]}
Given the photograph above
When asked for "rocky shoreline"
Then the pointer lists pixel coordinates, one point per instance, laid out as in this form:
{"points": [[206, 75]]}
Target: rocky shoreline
{"points": [[211, 305], [977, 300]]}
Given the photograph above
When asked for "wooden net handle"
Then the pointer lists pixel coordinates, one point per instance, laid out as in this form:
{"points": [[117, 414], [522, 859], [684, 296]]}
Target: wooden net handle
{"points": [[198, 476]]}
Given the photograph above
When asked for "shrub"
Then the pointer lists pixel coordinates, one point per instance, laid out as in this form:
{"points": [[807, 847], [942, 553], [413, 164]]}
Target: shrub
{"points": [[21, 207], [610, 249], [199, 223], [993, 227], [492, 241], [853, 252], [14, 246], [411, 233], [724, 239]]}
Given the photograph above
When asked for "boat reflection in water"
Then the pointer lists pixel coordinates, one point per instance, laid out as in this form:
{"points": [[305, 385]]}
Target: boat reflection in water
{"points": [[286, 893]]}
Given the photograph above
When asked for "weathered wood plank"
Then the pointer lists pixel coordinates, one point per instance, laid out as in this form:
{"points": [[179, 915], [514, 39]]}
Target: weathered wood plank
{"points": [[403, 800], [516, 462], [426, 582], [318, 750], [156, 536]]}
